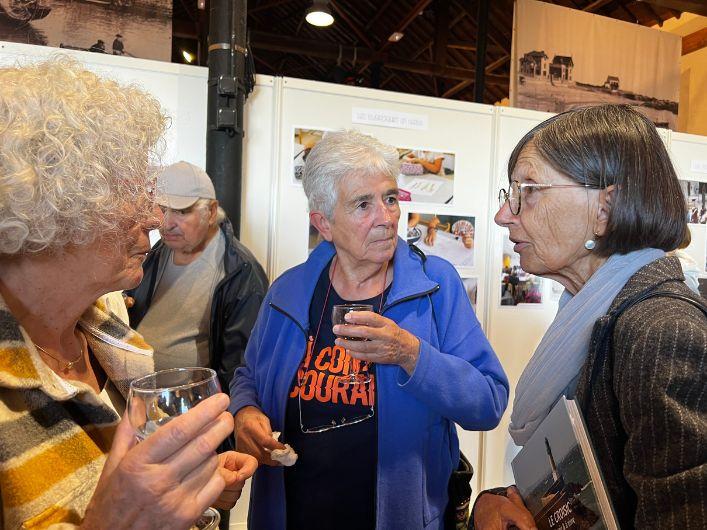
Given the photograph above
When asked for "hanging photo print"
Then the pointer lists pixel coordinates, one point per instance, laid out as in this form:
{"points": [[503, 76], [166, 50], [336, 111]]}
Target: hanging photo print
{"points": [[427, 176], [695, 197], [517, 286], [448, 236]]}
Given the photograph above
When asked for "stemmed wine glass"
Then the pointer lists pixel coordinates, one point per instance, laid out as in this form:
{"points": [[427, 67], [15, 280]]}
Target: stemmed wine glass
{"points": [[158, 398], [337, 317]]}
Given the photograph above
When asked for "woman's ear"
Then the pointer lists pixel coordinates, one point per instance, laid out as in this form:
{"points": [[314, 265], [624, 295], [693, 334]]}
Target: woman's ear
{"points": [[606, 203], [321, 223]]}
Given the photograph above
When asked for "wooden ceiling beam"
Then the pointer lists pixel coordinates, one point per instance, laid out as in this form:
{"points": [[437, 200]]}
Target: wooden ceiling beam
{"points": [[470, 46], [457, 88], [378, 14], [322, 50], [267, 5], [694, 41], [655, 15], [597, 4], [497, 63], [405, 22], [347, 20], [698, 7]]}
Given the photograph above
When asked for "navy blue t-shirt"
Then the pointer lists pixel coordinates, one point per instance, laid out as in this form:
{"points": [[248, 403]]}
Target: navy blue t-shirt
{"points": [[333, 483]]}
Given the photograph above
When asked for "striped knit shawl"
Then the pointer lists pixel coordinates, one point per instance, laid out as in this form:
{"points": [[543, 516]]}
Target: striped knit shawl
{"points": [[54, 437]]}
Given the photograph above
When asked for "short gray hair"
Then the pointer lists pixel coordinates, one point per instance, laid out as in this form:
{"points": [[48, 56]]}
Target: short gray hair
{"points": [[204, 207], [340, 154]]}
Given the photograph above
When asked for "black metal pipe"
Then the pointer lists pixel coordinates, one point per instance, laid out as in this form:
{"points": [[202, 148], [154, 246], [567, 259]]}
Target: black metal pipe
{"points": [[224, 134], [481, 31]]}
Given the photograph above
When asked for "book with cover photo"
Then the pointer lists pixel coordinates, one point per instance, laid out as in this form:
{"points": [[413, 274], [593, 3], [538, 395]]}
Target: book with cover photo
{"points": [[558, 476]]}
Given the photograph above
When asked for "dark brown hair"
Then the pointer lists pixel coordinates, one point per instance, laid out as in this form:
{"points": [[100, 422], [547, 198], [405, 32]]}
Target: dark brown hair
{"points": [[616, 144]]}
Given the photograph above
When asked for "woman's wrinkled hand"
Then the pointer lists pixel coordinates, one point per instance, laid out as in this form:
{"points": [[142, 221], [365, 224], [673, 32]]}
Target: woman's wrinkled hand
{"points": [[235, 468], [254, 435], [496, 512], [169, 479], [384, 341]]}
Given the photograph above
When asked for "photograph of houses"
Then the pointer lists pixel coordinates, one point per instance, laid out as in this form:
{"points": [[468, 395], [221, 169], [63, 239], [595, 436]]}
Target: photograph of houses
{"points": [[566, 58]]}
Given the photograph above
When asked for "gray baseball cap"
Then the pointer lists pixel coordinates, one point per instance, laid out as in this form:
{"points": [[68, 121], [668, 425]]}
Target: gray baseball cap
{"points": [[182, 184]]}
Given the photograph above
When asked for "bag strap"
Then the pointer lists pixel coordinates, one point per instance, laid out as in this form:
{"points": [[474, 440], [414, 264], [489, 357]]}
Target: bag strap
{"points": [[606, 339]]}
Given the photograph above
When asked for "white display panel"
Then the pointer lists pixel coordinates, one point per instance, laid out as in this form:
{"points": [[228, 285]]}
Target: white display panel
{"points": [[689, 155], [514, 331], [464, 129]]}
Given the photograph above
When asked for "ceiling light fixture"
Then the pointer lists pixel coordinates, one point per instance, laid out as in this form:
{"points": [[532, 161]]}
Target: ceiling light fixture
{"points": [[188, 57], [396, 36], [319, 14]]}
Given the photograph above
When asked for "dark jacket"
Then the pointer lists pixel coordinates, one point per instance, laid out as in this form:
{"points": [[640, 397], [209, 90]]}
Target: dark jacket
{"points": [[647, 417], [234, 306]]}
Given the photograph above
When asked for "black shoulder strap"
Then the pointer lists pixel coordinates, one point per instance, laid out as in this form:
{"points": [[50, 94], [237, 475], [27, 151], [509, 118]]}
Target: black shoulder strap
{"points": [[606, 338]]}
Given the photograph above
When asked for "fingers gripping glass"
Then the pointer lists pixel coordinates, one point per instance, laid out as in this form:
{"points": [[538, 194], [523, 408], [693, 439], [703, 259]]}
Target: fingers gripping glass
{"points": [[156, 399], [515, 192], [338, 315]]}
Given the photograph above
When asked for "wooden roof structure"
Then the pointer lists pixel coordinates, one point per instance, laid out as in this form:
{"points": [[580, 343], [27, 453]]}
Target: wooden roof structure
{"points": [[436, 56]]}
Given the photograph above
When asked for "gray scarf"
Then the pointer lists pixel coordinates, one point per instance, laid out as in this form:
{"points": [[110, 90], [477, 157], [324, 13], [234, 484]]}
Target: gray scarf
{"points": [[554, 368]]}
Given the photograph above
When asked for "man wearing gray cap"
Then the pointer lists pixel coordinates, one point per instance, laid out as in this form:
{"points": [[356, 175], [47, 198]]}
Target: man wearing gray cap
{"points": [[201, 289]]}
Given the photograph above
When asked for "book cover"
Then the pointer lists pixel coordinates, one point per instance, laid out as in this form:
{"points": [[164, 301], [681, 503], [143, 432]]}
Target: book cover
{"points": [[558, 476]]}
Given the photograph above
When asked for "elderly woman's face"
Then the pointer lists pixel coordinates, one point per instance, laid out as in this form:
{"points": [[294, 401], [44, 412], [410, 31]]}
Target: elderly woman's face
{"points": [[122, 257], [553, 223], [365, 220]]}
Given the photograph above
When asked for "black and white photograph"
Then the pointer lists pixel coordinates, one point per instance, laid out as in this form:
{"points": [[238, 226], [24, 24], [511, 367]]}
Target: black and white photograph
{"points": [[471, 285], [133, 28], [695, 192], [517, 286], [426, 176], [448, 236], [567, 58]]}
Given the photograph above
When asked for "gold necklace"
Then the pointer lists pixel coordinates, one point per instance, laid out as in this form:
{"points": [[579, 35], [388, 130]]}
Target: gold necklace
{"points": [[67, 365]]}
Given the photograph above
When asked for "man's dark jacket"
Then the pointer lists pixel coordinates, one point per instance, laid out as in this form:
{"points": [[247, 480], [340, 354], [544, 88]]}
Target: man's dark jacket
{"points": [[234, 306]]}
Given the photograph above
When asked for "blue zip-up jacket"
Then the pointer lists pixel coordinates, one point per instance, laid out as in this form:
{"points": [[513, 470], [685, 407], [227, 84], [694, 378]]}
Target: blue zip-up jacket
{"points": [[457, 379]]}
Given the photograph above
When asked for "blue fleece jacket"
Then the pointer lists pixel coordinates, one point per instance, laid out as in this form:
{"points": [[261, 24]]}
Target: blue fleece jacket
{"points": [[457, 379]]}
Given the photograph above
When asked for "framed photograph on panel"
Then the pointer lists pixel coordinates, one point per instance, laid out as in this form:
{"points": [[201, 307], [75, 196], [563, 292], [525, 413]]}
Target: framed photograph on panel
{"points": [[695, 192], [517, 286], [426, 176], [304, 140], [448, 236]]}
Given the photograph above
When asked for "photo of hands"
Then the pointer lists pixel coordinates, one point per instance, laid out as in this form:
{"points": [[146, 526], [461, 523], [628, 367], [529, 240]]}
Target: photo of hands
{"points": [[428, 176], [448, 236]]}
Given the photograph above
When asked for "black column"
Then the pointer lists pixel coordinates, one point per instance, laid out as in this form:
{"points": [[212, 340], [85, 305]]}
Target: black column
{"points": [[224, 134]]}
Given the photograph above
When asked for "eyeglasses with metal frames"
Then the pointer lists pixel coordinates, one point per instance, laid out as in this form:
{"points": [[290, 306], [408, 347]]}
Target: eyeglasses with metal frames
{"points": [[515, 192], [335, 424]]}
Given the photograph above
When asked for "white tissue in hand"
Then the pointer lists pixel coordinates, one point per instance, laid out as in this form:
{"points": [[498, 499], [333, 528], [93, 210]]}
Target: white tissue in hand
{"points": [[286, 456]]}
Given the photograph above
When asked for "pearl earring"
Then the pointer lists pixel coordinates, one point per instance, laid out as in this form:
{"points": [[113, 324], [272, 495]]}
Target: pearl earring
{"points": [[589, 244]]}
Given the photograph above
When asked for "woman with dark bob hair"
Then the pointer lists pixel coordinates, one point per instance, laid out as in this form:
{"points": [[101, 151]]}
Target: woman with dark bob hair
{"points": [[594, 203]]}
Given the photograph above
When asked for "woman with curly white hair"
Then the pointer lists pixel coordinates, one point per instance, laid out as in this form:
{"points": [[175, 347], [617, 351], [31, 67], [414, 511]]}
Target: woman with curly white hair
{"points": [[75, 211]]}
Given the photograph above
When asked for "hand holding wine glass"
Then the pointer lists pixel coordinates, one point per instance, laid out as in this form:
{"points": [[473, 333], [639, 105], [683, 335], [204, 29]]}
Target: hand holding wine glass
{"points": [[174, 474], [378, 339], [169, 479]]}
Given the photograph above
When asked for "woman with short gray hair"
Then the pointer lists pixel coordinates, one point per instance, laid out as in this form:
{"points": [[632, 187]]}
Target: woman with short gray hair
{"points": [[369, 402], [594, 203]]}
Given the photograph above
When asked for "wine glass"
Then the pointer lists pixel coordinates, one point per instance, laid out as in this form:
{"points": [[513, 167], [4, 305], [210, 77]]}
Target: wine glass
{"points": [[337, 317], [158, 398]]}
